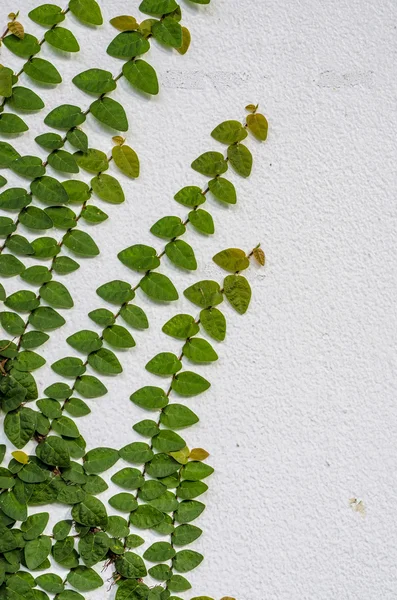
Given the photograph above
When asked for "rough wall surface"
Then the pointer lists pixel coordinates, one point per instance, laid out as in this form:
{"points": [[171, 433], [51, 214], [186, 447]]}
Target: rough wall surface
{"points": [[302, 415]]}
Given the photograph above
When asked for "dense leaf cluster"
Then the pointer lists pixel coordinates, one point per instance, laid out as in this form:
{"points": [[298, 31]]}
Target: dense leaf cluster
{"points": [[160, 477]]}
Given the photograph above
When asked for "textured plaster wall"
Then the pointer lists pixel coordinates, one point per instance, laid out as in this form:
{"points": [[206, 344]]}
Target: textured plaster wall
{"points": [[302, 415]]}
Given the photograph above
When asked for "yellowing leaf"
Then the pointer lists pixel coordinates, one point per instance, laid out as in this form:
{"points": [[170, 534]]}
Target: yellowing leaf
{"points": [[124, 23], [198, 454], [186, 39], [258, 125], [20, 457], [118, 139], [251, 108], [17, 29], [181, 456], [259, 256], [127, 160]]}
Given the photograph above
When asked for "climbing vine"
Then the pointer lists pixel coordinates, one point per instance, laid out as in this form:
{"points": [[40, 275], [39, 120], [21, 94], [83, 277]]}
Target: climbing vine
{"points": [[159, 491]]}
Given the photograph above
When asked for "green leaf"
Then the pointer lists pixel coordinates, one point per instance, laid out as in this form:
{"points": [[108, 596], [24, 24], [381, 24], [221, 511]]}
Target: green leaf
{"points": [[10, 265], [168, 228], [110, 112], [77, 407], [159, 287], [152, 489], [108, 188], [90, 387], [181, 327], [12, 323], [229, 132], [24, 99], [61, 216], [146, 428], [100, 460], [46, 318], [24, 48], [136, 452], [123, 502], [168, 441], [84, 579], [118, 336], [59, 391], [159, 551], [189, 384], [90, 512], [202, 220], [19, 426], [53, 451], [10, 123], [105, 362], [191, 489], [28, 361], [22, 301], [146, 516], [139, 258], [102, 316], [177, 583], [130, 566], [191, 196], [33, 339], [87, 11], [95, 81], [34, 525], [7, 226], [158, 7], [128, 478], [63, 161], [65, 427], [35, 218], [258, 125], [181, 254], [94, 547], [116, 292], [56, 295], [36, 551], [63, 39], [160, 572], [162, 465], [6, 76], [7, 154], [214, 323], [81, 243], [85, 341], [210, 164], [168, 31], [223, 190], [93, 161], [142, 76], [17, 244], [238, 291], [241, 159], [186, 560], [196, 470], [13, 503], [93, 214], [178, 416], [28, 166], [199, 350], [78, 139], [45, 247], [134, 316], [43, 71], [47, 15], [50, 408], [127, 45], [64, 264], [150, 397], [50, 583], [164, 363], [49, 190], [126, 159], [49, 140], [205, 293], [65, 116]]}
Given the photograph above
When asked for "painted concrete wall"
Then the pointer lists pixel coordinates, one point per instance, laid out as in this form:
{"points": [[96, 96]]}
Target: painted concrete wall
{"points": [[302, 414]]}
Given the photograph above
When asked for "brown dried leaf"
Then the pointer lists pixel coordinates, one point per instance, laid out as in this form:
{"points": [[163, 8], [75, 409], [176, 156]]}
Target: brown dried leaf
{"points": [[17, 29], [259, 256]]}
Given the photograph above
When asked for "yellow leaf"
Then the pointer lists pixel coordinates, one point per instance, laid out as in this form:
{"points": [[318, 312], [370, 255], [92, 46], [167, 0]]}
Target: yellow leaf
{"points": [[258, 125], [228, 598], [251, 108], [17, 29], [198, 454], [118, 139], [146, 26], [182, 456], [127, 160], [186, 38], [124, 23], [20, 457], [259, 256]]}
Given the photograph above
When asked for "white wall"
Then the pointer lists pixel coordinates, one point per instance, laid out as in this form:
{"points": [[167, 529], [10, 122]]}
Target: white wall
{"points": [[302, 413]]}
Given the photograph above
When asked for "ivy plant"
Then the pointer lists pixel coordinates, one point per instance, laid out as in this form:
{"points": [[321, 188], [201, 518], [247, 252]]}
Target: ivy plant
{"points": [[27, 46]]}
